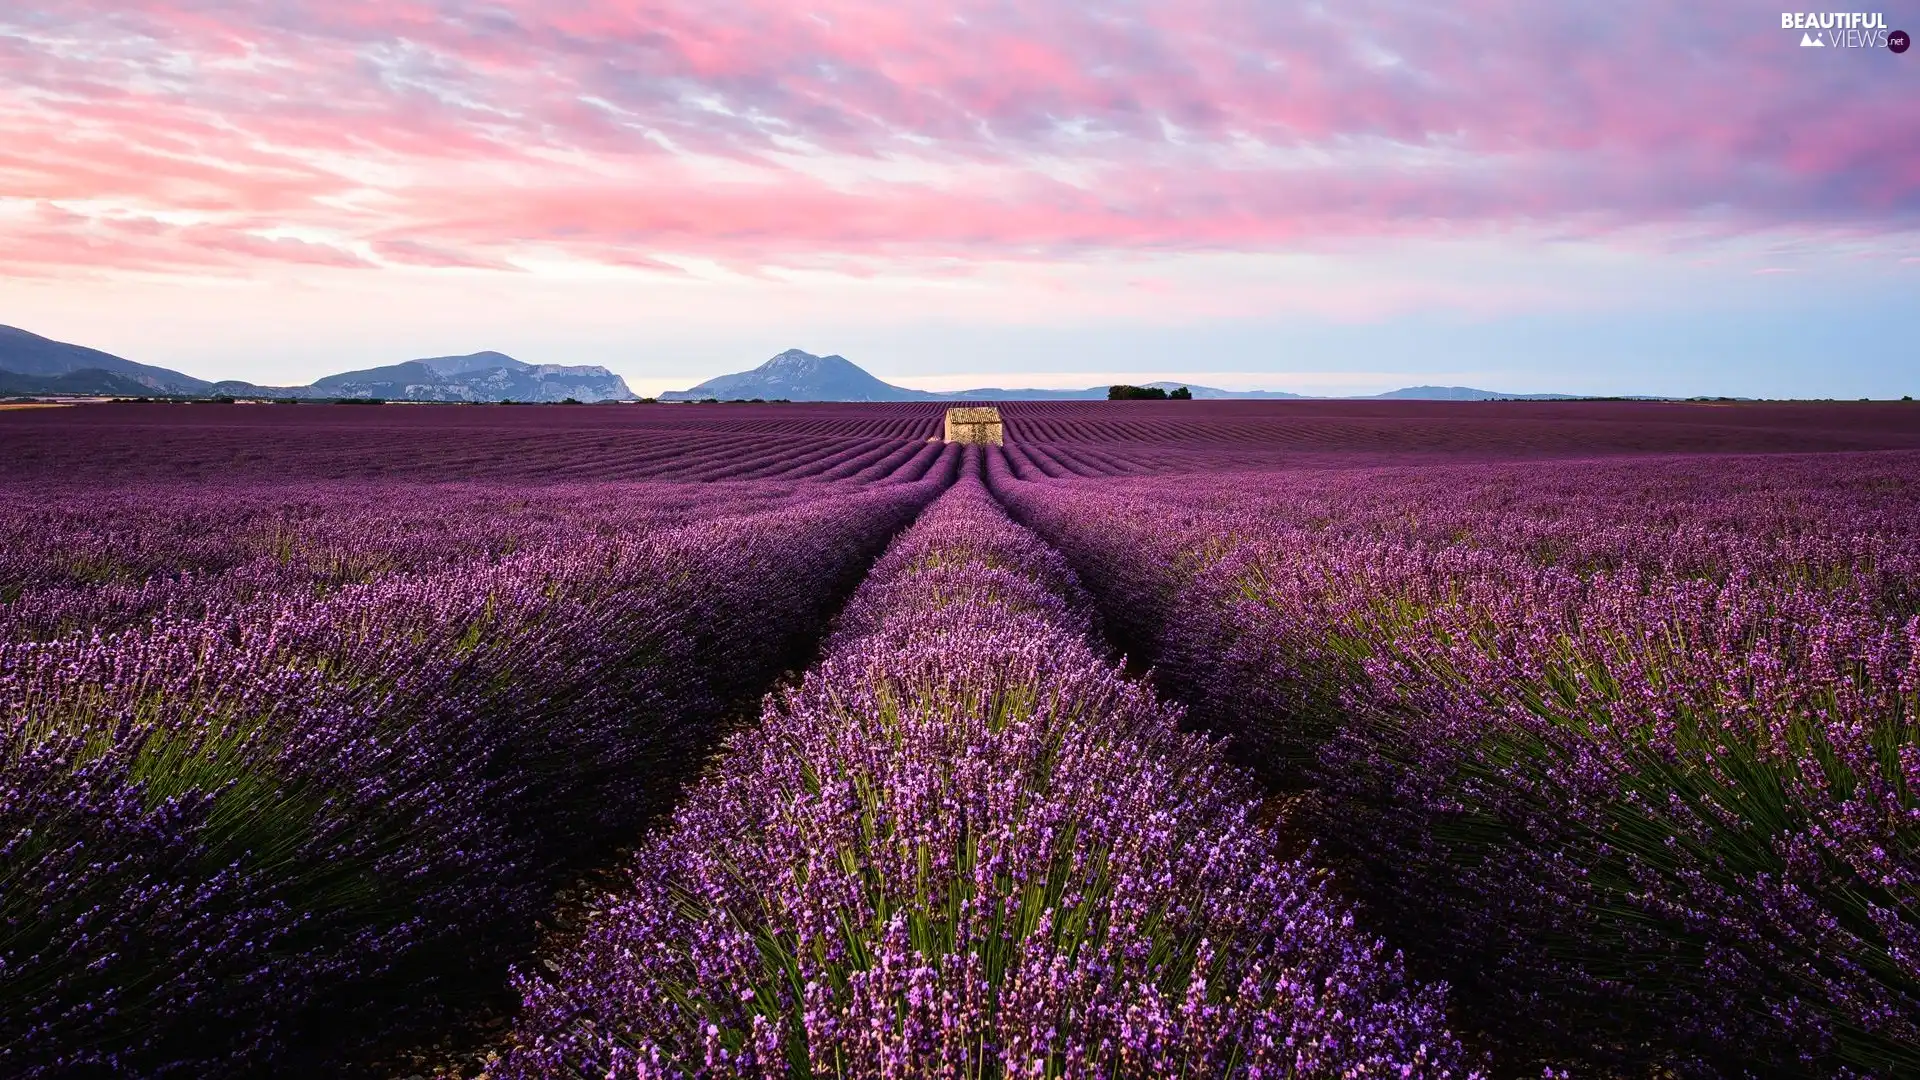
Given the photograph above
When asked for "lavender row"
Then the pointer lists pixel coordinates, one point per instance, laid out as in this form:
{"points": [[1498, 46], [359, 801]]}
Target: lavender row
{"points": [[965, 845], [1818, 520], [90, 559], [1650, 802], [219, 836], [118, 444]]}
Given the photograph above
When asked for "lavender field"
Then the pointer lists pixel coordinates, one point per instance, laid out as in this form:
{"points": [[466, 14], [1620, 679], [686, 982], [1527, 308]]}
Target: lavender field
{"points": [[1294, 739]]}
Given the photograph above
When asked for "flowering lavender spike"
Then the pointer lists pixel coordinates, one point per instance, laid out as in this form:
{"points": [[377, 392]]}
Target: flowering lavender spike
{"points": [[966, 845], [1630, 750], [279, 769]]}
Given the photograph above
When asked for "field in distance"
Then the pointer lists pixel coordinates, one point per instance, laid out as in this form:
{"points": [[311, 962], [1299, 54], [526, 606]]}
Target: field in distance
{"points": [[130, 442]]}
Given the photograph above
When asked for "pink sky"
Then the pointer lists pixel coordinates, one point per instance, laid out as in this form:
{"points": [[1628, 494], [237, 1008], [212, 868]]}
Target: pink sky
{"points": [[362, 172]]}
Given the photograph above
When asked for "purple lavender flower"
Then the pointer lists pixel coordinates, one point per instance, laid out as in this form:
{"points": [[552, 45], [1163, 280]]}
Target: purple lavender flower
{"points": [[966, 845], [1626, 749], [295, 748]]}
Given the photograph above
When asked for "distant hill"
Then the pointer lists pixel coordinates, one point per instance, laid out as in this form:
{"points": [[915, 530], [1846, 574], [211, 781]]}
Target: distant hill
{"points": [[481, 376], [31, 364], [1214, 392], [27, 354], [1466, 393], [797, 375], [84, 382], [1099, 393]]}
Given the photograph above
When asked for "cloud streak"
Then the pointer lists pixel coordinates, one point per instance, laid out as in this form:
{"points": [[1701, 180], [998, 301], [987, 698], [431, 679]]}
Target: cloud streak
{"points": [[761, 134]]}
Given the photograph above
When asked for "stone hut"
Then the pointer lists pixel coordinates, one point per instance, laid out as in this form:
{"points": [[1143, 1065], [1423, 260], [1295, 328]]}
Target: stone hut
{"points": [[975, 425]]}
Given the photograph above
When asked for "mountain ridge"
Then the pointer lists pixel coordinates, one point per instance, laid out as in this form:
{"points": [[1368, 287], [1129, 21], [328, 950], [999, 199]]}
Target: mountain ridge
{"points": [[835, 378], [81, 382], [25, 353], [32, 364], [798, 375]]}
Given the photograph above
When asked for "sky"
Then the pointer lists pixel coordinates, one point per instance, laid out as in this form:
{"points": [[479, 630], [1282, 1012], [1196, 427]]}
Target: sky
{"points": [[1633, 197]]}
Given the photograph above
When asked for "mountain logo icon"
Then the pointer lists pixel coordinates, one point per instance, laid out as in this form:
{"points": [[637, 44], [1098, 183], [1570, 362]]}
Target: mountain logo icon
{"points": [[1808, 41]]}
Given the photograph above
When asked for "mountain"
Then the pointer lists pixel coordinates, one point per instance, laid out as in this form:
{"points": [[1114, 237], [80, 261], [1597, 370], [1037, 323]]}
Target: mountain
{"points": [[1001, 393], [31, 364], [28, 354], [472, 362], [85, 382], [801, 376], [481, 376], [797, 375], [473, 377], [1465, 393], [237, 388], [1216, 393]]}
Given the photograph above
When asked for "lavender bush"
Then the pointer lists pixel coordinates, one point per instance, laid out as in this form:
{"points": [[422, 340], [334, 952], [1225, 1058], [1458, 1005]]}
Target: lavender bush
{"points": [[100, 559], [234, 814], [1629, 751], [966, 846]]}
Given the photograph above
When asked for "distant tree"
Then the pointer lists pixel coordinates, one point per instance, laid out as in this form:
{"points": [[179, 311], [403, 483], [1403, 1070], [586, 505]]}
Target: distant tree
{"points": [[1124, 392], [221, 399], [1906, 397], [709, 401], [1181, 394], [570, 401]]}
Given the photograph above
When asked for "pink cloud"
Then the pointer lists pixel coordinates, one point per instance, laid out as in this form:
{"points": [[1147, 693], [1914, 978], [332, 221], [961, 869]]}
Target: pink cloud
{"points": [[415, 253], [443, 135], [62, 240], [273, 249]]}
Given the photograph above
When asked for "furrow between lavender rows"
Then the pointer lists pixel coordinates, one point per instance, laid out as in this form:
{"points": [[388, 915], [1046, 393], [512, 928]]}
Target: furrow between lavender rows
{"points": [[964, 844]]}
